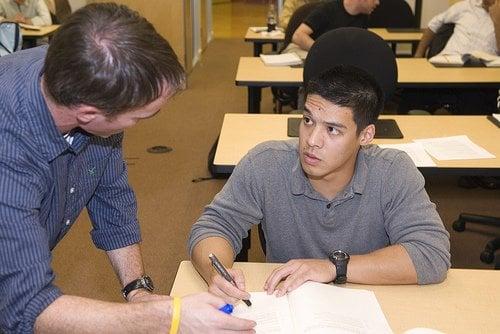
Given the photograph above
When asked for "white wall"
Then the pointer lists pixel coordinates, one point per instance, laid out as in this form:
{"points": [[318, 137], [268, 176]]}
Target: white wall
{"points": [[196, 15], [76, 4], [430, 8]]}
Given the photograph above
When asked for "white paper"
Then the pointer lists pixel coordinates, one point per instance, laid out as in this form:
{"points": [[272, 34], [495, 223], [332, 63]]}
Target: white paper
{"points": [[258, 29], [497, 117], [29, 26], [454, 148], [488, 59], [284, 59], [416, 152], [447, 60]]}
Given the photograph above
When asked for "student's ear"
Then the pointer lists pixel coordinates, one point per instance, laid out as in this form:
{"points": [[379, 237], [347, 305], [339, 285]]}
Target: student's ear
{"points": [[367, 134], [86, 114]]}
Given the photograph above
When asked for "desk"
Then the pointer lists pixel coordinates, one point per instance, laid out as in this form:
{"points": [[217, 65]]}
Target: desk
{"points": [[412, 73], [241, 132], [32, 35], [466, 302], [258, 39]]}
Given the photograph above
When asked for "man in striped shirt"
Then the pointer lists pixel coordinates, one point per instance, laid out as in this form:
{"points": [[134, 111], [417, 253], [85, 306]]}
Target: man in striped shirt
{"points": [[62, 114]]}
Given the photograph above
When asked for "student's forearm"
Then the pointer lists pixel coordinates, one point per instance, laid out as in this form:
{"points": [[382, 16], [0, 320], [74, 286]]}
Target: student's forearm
{"points": [[424, 43], [497, 38], [71, 314], [303, 40], [216, 245], [390, 265], [127, 263]]}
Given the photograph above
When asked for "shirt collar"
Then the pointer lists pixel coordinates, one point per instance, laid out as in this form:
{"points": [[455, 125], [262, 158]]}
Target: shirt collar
{"points": [[302, 186]]}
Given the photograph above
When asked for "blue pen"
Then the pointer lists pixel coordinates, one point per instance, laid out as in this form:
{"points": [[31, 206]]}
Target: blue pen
{"points": [[228, 309]]}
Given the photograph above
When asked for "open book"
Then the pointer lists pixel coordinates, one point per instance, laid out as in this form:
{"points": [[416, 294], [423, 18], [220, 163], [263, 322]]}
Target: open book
{"points": [[315, 308], [284, 59], [477, 58]]}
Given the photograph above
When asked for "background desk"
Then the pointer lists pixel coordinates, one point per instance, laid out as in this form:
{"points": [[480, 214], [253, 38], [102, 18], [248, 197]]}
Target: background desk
{"points": [[466, 302], [31, 36], [412, 73], [241, 132]]}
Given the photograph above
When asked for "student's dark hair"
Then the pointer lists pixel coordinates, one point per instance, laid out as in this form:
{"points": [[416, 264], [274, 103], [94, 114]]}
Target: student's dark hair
{"points": [[109, 57], [351, 87]]}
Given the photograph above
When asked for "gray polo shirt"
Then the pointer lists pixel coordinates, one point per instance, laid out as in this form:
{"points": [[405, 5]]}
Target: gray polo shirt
{"points": [[385, 203]]}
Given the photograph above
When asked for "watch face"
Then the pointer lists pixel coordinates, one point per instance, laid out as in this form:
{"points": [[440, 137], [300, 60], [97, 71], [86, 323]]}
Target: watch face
{"points": [[148, 282], [339, 255]]}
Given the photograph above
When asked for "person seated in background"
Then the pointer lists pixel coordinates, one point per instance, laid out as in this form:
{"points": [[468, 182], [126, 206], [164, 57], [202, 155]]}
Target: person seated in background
{"points": [[324, 198], [34, 12], [289, 7], [331, 15], [477, 28]]}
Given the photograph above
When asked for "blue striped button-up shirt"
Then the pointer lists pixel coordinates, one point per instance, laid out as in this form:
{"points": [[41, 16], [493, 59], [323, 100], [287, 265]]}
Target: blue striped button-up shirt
{"points": [[44, 185]]}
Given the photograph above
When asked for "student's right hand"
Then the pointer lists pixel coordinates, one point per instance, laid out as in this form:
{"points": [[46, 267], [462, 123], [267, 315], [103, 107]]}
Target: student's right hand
{"points": [[200, 314], [222, 288]]}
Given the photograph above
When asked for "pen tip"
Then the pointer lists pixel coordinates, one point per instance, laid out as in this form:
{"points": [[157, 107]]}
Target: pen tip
{"points": [[248, 302]]}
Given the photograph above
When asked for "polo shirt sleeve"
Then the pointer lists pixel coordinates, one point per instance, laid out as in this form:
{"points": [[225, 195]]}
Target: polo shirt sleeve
{"points": [[26, 278], [451, 15], [42, 17], [234, 209], [113, 206], [411, 220], [318, 19]]}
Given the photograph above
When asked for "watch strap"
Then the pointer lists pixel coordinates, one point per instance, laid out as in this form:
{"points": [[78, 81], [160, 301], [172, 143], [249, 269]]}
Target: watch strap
{"points": [[143, 282]]}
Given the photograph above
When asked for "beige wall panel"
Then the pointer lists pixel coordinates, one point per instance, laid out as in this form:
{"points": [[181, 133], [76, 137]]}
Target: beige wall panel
{"points": [[168, 18]]}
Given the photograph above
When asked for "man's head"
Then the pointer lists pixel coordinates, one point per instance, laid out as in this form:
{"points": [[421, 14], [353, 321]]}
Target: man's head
{"points": [[355, 7], [342, 105], [108, 58]]}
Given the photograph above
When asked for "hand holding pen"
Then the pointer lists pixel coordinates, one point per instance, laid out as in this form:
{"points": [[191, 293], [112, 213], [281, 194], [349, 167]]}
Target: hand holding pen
{"points": [[222, 271]]}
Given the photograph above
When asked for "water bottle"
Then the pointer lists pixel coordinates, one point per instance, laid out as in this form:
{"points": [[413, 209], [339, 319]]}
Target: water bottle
{"points": [[271, 18]]}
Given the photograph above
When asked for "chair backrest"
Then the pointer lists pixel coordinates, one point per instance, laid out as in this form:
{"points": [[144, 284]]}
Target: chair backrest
{"points": [[440, 39], [296, 20], [356, 47], [392, 14], [10, 38]]}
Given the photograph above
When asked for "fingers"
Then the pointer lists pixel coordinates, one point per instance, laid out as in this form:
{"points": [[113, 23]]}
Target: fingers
{"points": [[223, 288], [279, 274], [229, 322]]}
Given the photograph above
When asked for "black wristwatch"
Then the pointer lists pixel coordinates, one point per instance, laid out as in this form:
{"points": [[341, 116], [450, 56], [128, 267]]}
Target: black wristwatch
{"points": [[340, 260], [143, 282]]}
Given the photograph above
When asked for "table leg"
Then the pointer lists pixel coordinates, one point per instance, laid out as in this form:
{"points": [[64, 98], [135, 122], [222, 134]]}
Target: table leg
{"points": [[254, 96], [257, 49]]}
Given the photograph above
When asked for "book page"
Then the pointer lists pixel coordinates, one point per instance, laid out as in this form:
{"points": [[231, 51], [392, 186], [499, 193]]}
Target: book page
{"points": [[454, 148], [447, 60], [323, 309], [271, 314]]}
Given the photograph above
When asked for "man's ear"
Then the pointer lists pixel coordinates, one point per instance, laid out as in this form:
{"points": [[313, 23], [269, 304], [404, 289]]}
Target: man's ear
{"points": [[367, 134], [86, 114]]}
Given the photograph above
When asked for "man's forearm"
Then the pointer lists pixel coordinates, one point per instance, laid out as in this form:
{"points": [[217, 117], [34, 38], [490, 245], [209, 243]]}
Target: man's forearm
{"points": [[303, 40], [71, 314], [424, 43], [127, 263], [390, 265], [216, 245]]}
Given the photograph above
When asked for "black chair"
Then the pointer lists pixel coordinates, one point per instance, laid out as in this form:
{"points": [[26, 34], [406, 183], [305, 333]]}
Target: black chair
{"points": [[392, 14], [488, 254], [350, 46], [288, 96]]}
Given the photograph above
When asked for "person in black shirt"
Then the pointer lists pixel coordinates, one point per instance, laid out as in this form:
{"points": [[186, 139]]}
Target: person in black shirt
{"points": [[331, 15]]}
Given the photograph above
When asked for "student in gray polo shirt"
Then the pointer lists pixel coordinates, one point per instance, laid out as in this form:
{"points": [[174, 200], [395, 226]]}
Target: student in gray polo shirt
{"points": [[329, 191]]}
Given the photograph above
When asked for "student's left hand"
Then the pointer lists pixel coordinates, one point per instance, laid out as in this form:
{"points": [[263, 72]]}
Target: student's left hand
{"points": [[296, 272]]}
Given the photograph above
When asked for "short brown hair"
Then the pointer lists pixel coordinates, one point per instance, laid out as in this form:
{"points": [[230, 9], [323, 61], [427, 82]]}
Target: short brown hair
{"points": [[109, 57]]}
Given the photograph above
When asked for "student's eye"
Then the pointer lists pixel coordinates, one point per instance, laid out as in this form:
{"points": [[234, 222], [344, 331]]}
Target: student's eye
{"points": [[306, 120], [332, 130]]}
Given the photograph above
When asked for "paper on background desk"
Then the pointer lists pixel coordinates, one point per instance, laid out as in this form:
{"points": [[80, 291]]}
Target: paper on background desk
{"points": [[497, 117], [284, 59], [258, 29], [454, 148], [416, 152]]}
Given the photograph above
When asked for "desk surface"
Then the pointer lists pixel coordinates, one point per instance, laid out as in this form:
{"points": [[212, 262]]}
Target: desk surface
{"points": [[468, 301], [402, 37], [43, 32], [411, 72], [241, 132]]}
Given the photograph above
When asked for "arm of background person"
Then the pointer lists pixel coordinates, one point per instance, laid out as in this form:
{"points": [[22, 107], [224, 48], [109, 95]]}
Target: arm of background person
{"points": [[42, 17], [425, 41], [302, 37], [494, 11]]}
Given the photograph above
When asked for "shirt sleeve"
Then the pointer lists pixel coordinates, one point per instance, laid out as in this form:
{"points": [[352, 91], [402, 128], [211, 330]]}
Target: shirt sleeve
{"points": [[113, 206], [318, 19], [233, 211], [26, 278], [451, 15], [42, 17], [412, 221]]}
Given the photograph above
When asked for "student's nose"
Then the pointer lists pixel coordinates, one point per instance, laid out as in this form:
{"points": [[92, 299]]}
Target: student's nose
{"points": [[315, 137]]}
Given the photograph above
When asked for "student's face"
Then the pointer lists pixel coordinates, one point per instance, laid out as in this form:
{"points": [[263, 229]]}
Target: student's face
{"points": [[327, 139], [368, 6], [103, 125]]}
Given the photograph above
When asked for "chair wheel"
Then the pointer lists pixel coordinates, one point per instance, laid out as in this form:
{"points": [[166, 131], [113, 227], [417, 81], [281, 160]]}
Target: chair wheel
{"points": [[458, 226], [487, 257]]}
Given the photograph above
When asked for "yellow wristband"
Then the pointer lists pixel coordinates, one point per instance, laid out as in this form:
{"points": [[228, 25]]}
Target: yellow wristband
{"points": [[176, 316]]}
